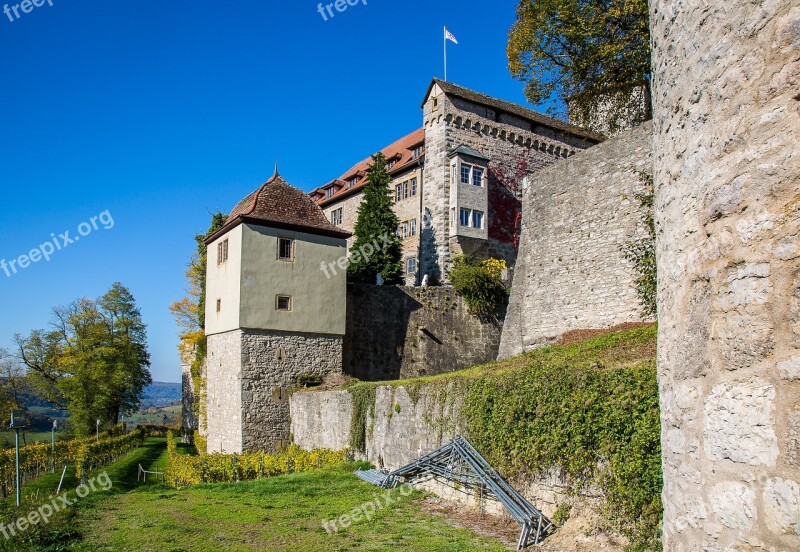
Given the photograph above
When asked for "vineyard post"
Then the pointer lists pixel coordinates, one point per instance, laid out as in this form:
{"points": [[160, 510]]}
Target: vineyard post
{"points": [[53, 444], [17, 423]]}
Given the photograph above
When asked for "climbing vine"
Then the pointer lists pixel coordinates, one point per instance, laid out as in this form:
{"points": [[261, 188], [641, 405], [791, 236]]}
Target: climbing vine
{"points": [[590, 409], [363, 403], [642, 252]]}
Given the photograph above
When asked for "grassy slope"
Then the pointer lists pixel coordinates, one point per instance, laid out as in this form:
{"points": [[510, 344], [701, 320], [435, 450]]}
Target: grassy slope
{"points": [[281, 513], [612, 350]]}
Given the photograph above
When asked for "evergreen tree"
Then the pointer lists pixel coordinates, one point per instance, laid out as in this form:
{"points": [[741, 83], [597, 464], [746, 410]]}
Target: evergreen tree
{"points": [[377, 247]]}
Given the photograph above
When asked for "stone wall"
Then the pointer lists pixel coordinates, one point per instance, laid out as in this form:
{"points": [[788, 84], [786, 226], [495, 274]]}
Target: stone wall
{"points": [[399, 332], [249, 376], [403, 429], [727, 172], [577, 217], [224, 392], [188, 422]]}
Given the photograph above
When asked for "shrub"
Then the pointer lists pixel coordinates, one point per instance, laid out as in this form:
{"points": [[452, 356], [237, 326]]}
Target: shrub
{"points": [[185, 470], [480, 284], [309, 380]]}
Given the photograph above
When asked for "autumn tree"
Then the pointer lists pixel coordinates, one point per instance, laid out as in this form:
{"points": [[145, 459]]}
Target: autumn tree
{"points": [[93, 361], [189, 314], [594, 53]]}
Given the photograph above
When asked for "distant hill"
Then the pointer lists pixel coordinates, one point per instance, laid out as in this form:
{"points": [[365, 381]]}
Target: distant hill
{"points": [[161, 393]]}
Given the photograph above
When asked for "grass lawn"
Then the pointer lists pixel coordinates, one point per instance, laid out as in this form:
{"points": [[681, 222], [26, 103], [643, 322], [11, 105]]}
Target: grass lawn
{"points": [[280, 513]]}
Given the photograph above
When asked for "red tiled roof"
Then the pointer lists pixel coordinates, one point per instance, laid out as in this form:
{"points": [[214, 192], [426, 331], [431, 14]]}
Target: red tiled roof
{"points": [[278, 204], [404, 148]]}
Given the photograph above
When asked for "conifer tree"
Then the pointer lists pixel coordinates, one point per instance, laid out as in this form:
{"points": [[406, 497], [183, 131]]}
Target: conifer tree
{"points": [[377, 247]]}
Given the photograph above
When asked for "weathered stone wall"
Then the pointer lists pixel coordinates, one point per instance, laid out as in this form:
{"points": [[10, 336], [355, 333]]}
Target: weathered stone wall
{"points": [[577, 217], [188, 422], [224, 392], [321, 420], [727, 172], [271, 363], [398, 332], [516, 148], [403, 429], [249, 375]]}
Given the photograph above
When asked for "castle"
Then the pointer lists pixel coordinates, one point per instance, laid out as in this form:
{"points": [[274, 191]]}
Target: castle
{"points": [[457, 181], [273, 316], [727, 199]]}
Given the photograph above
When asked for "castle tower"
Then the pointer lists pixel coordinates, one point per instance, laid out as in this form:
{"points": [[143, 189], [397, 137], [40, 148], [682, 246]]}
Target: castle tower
{"points": [[275, 310]]}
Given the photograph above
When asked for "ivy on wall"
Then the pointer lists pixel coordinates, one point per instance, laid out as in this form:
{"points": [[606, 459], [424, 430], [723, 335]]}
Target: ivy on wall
{"points": [[642, 252], [589, 409]]}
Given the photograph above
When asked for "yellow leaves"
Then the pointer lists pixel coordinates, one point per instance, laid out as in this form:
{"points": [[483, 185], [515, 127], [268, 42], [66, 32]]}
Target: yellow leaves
{"points": [[185, 470], [495, 267]]}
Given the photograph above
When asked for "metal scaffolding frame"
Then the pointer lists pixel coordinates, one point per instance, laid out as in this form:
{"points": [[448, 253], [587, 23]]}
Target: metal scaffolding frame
{"points": [[459, 462]]}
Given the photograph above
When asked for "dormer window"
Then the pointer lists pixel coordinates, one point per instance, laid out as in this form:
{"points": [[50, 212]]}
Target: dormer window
{"points": [[391, 164], [353, 181], [329, 192], [418, 151]]}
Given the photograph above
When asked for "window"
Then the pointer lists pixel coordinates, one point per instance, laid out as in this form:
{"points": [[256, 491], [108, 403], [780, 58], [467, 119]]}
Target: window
{"points": [[466, 215], [435, 103], [219, 305], [471, 218], [452, 216], [477, 176], [329, 192], [391, 164], [222, 251], [402, 229], [466, 170], [401, 191], [285, 249], [418, 151], [413, 186], [336, 217], [411, 266], [412, 227], [353, 181], [283, 303]]}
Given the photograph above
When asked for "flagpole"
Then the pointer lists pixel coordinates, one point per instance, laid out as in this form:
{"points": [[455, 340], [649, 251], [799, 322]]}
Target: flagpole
{"points": [[444, 34]]}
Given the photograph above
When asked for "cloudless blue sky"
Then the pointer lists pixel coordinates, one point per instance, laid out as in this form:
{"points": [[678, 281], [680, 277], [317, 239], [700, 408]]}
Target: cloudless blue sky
{"points": [[162, 112]]}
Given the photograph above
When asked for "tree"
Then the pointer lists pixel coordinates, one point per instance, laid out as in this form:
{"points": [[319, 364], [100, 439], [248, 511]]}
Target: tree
{"points": [[189, 314], [94, 360], [596, 53], [377, 247], [11, 384]]}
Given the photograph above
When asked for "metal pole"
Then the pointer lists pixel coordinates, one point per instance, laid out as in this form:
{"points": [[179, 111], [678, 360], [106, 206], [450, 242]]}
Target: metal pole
{"points": [[19, 491], [445, 54], [53, 445]]}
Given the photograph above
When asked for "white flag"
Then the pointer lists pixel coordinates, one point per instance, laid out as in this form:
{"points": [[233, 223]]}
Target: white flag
{"points": [[449, 36]]}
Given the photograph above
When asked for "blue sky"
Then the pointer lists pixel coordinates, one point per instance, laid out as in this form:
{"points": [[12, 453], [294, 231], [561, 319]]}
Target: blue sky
{"points": [[162, 112]]}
